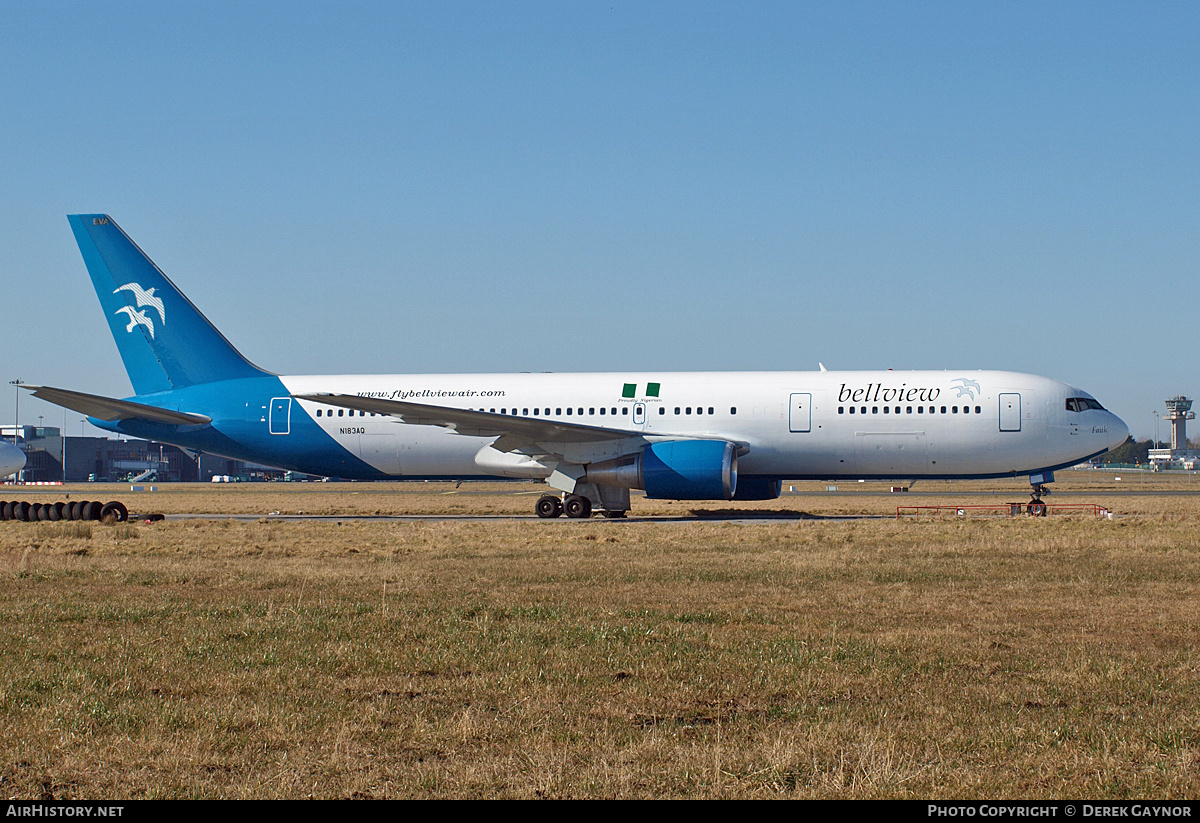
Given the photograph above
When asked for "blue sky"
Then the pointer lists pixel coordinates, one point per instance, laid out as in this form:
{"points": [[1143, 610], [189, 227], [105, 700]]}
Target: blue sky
{"points": [[574, 186]]}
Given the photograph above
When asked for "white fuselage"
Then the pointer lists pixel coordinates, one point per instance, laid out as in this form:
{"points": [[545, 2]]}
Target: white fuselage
{"points": [[792, 425]]}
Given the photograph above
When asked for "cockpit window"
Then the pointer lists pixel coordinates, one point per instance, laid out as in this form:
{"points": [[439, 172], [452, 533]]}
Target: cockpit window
{"points": [[1078, 404]]}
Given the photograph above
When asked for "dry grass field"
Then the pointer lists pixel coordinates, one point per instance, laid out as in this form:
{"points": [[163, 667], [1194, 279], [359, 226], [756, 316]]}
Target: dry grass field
{"points": [[839, 652]]}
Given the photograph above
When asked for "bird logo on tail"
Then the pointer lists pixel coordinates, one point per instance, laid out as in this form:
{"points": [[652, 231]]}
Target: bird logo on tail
{"points": [[137, 317]]}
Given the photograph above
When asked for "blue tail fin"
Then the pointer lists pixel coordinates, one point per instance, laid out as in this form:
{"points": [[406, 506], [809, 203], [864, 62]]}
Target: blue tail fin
{"points": [[165, 342]]}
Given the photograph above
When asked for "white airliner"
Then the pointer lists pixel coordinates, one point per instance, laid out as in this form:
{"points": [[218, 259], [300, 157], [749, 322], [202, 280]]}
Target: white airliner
{"points": [[12, 459], [591, 437]]}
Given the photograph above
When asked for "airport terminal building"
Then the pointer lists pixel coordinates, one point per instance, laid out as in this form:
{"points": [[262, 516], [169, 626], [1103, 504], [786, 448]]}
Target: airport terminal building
{"points": [[52, 457]]}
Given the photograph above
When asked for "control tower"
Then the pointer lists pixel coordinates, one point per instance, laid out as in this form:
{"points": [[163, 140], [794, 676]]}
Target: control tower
{"points": [[1179, 411]]}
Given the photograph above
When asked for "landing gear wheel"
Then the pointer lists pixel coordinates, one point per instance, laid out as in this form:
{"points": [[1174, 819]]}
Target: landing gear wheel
{"points": [[1036, 508], [548, 506], [577, 506]]}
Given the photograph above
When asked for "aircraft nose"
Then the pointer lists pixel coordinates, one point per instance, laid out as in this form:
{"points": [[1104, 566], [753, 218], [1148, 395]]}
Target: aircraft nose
{"points": [[1118, 432]]}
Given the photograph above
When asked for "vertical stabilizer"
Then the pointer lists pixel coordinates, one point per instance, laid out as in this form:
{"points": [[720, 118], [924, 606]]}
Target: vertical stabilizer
{"points": [[165, 342]]}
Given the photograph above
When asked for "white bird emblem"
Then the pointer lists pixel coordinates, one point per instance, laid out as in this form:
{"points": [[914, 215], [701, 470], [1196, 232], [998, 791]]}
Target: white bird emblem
{"points": [[964, 390], [137, 318], [145, 297]]}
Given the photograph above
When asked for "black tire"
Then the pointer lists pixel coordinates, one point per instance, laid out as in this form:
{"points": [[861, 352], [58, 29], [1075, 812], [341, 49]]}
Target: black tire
{"points": [[43, 512], [21, 511], [6, 510], [578, 507], [1037, 509], [116, 509], [548, 506], [90, 510], [56, 512], [71, 512]]}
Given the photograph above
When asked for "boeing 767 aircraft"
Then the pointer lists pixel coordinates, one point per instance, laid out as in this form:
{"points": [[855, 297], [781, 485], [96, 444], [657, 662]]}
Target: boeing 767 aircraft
{"points": [[591, 437]]}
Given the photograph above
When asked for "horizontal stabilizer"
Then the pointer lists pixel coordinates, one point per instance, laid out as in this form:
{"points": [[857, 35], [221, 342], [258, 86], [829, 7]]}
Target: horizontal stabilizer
{"points": [[110, 409]]}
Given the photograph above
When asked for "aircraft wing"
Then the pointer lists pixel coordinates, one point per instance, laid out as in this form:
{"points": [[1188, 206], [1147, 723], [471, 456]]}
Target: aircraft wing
{"points": [[111, 409], [514, 432]]}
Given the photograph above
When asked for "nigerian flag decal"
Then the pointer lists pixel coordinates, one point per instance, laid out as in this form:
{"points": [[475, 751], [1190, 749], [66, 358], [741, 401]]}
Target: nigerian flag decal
{"points": [[630, 390]]}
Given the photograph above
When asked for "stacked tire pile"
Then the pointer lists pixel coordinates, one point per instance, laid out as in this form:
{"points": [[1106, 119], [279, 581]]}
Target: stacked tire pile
{"points": [[77, 510]]}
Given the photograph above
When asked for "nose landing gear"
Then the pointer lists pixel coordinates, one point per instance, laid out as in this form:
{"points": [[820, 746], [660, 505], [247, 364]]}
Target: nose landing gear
{"points": [[1036, 507]]}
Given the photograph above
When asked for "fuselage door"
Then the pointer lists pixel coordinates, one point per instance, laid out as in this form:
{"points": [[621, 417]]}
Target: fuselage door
{"points": [[639, 414], [1010, 412], [800, 416], [281, 412]]}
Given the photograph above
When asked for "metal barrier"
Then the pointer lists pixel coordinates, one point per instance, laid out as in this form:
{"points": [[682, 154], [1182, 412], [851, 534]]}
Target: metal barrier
{"points": [[1005, 510]]}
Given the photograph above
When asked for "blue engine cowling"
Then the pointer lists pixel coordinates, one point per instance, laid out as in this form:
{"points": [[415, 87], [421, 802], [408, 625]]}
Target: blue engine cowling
{"points": [[689, 470], [758, 488]]}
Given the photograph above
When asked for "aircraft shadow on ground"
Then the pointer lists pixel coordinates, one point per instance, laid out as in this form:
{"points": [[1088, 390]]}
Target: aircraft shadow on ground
{"points": [[774, 514]]}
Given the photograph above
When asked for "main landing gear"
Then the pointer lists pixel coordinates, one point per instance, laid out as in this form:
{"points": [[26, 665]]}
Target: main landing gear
{"points": [[572, 505]]}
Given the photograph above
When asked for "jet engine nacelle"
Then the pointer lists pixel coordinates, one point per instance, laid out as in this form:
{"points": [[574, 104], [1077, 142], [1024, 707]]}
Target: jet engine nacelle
{"points": [[674, 470], [758, 488]]}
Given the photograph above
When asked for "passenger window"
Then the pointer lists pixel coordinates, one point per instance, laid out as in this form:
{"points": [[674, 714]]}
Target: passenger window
{"points": [[733, 410], [852, 410]]}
